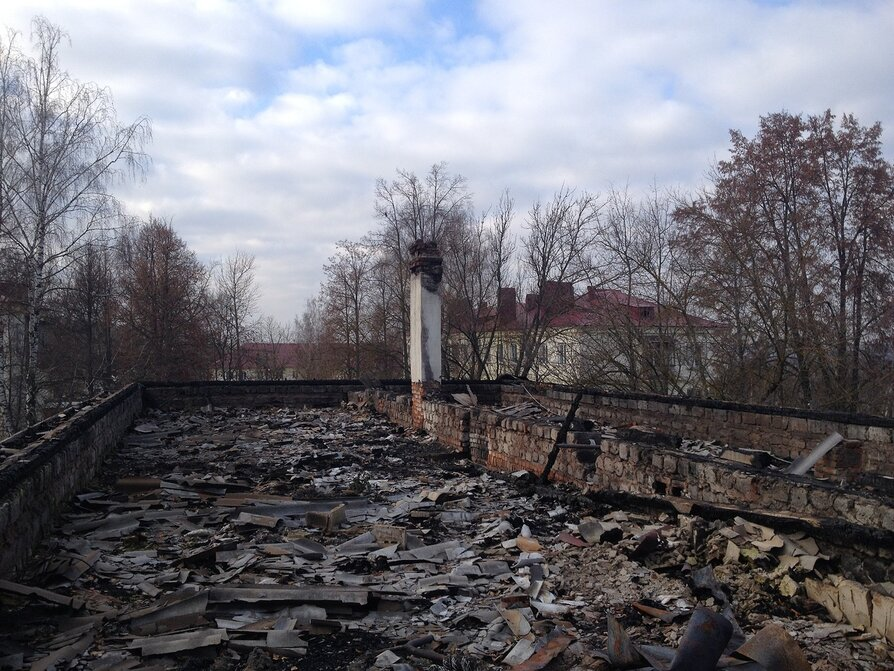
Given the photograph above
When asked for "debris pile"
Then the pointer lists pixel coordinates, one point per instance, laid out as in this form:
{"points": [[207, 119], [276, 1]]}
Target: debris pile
{"points": [[315, 540]]}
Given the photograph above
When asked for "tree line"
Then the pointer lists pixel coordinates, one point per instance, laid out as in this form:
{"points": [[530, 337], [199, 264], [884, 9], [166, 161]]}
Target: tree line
{"points": [[91, 298], [773, 282], [778, 275]]}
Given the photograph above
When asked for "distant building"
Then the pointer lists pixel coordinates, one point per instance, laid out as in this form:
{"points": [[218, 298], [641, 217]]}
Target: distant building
{"points": [[602, 337]]}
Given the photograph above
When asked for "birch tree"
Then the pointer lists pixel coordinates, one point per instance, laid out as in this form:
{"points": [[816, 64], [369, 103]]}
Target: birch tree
{"points": [[62, 148]]}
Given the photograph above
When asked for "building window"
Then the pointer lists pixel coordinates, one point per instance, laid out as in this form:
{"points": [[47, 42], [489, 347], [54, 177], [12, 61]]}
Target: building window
{"points": [[462, 352], [561, 353], [513, 351], [500, 353], [661, 351], [542, 354]]}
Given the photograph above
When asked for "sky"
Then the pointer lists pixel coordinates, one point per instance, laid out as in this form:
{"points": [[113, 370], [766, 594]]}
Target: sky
{"points": [[273, 119]]}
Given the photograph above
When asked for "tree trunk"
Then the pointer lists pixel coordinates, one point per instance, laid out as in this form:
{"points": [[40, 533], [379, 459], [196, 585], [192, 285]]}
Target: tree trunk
{"points": [[35, 312], [5, 423], [90, 354], [856, 345]]}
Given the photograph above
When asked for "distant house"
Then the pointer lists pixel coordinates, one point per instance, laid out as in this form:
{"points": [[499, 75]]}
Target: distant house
{"points": [[604, 337]]}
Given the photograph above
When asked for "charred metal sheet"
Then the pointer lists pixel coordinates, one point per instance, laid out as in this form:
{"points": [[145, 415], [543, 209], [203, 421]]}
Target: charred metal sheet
{"points": [[703, 642]]}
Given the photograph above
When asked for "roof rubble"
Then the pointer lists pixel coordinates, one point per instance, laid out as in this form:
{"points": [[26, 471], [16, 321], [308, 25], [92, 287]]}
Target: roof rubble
{"points": [[329, 539]]}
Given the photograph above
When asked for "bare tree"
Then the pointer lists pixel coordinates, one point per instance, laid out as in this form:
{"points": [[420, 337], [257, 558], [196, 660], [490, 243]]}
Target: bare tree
{"points": [[386, 349], [12, 342], [762, 209], [642, 334], [422, 209], [476, 266], [234, 301], [795, 239], [612, 350], [856, 187], [557, 252], [164, 301], [85, 315], [346, 290], [409, 209], [270, 353], [314, 355], [62, 147]]}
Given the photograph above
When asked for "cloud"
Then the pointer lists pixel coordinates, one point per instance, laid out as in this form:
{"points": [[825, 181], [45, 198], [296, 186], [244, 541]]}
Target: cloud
{"points": [[273, 119], [348, 17]]}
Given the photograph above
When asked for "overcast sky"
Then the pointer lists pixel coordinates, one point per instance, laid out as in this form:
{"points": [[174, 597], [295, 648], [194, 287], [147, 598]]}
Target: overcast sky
{"points": [[272, 119]]}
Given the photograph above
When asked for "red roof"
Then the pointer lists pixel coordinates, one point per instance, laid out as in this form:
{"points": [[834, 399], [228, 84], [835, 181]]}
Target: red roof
{"points": [[593, 308]]}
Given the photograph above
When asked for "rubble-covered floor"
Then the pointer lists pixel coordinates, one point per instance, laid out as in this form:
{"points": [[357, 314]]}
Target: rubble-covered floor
{"points": [[329, 539]]}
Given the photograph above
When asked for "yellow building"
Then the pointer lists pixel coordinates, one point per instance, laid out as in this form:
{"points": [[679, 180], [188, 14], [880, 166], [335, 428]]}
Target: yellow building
{"points": [[601, 337]]}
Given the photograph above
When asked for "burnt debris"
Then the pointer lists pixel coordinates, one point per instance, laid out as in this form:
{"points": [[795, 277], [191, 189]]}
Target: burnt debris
{"points": [[331, 539]]}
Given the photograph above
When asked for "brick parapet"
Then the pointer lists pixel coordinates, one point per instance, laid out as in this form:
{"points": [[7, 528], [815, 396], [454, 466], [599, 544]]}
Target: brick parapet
{"points": [[785, 432], [505, 443], [395, 406], [251, 394], [417, 400], [53, 467]]}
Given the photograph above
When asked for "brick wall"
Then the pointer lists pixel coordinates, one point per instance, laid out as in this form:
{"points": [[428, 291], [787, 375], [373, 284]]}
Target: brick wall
{"points": [[52, 466], [248, 394], [785, 432], [395, 406], [508, 444], [449, 422], [641, 469]]}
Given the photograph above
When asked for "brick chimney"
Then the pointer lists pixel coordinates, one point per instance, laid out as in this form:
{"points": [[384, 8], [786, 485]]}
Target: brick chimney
{"points": [[506, 306], [558, 297], [425, 325]]}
